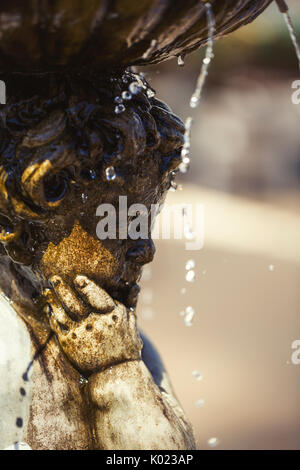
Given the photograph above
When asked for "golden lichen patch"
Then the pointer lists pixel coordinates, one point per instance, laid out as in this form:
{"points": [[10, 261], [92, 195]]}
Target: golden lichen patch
{"points": [[79, 253]]}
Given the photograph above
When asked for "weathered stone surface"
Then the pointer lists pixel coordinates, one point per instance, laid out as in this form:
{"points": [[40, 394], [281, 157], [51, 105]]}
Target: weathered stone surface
{"points": [[76, 293], [97, 34]]}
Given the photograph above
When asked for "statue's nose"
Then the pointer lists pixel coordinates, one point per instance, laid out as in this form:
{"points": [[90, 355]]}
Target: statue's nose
{"points": [[142, 251]]}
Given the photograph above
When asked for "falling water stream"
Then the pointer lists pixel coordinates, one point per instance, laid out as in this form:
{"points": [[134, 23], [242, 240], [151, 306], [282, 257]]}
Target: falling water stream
{"points": [[209, 54], [284, 9]]}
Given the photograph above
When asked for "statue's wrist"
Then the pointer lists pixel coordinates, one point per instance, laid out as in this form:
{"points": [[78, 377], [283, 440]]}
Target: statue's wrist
{"points": [[117, 382]]}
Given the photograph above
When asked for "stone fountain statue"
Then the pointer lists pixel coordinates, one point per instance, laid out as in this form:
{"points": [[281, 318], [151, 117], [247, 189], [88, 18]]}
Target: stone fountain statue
{"points": [[80, 129]]}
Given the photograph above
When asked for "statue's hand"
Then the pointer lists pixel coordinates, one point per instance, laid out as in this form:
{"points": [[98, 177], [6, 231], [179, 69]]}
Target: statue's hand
{"points": [[94, 331]]}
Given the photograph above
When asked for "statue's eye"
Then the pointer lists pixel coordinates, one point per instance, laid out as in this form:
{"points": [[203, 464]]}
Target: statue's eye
{"points": [[55, 187]]}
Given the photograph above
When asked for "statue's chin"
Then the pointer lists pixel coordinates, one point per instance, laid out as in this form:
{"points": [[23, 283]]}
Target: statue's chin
{"points": [[125, 292]]}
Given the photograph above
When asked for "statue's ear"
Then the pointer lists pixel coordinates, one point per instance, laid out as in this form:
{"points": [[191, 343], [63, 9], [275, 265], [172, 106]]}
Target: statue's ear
{"points": [[44, 184]]}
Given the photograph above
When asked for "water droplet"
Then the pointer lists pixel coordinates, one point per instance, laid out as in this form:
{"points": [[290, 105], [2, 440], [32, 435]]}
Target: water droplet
{"points": [[194, 101], [135, 88], [185, 152], [125, 78], [180, 61], [199, 403], [183, 168], [182, 313], [118, 100], [120, 109], [173, 186], [197, 375], [126, 95], [190, 276], [190, 264], [183, 291], [84, 198], [150, 93], [213, 442], [271, 267], [110, 173], [83, 381], [189, 316], [92, 174]]}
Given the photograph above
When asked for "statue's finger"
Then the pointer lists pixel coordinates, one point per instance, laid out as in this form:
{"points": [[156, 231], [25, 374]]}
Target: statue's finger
{"points": [[94, 295], [58, 319], [69, 299]]}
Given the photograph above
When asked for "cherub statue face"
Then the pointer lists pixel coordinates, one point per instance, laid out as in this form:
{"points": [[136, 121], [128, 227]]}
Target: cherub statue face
{"points": [[69, 150]]}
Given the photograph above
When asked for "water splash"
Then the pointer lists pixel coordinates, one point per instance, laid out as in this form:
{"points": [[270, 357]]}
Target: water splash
{"points": [[209, 54], [284, 9]]}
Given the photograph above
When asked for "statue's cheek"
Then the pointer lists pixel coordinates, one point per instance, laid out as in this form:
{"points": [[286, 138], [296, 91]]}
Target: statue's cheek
{"points": [[80, 253]]}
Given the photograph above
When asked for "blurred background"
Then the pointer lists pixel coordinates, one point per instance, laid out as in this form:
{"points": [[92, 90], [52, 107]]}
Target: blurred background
{"points": [[232, 369]]}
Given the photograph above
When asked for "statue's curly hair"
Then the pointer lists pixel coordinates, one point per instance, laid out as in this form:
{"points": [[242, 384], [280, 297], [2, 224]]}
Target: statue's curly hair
{"points": [[70, 129]]}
